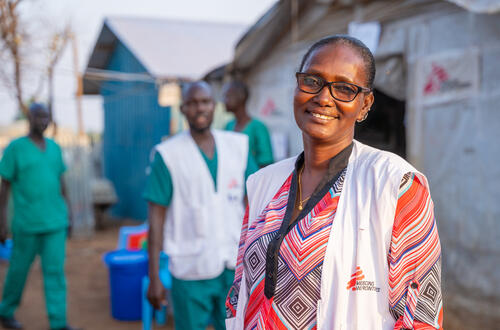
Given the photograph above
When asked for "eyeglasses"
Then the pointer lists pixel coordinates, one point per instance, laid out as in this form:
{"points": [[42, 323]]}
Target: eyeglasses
{"points": [[341, 91]]}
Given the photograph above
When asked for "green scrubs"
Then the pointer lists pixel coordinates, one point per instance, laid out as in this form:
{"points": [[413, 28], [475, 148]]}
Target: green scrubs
{"points": [[194, 302], [38, 226], [259, 141]]}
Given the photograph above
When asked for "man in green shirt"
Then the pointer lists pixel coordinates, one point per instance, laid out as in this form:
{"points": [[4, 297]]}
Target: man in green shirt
{"points": [[235, 98], [31, 167], [195, 189]]}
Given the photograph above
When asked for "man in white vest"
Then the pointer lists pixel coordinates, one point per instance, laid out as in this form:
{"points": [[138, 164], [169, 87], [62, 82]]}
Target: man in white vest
{"points": [[196, 191]]}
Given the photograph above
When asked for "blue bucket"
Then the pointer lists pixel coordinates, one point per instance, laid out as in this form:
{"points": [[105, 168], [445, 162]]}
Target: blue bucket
{"points": [[126, 270], [6, 250]]}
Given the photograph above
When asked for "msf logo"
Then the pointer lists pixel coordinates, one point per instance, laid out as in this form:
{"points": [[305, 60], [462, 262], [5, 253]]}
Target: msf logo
{"points": [[435, 79], [357, 276], [357, 282], [233, 184], [232, 196]]}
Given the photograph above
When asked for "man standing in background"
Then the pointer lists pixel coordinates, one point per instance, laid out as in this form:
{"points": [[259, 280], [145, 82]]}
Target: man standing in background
{"points": [[195, 192], [235, 98], [32, 168]]}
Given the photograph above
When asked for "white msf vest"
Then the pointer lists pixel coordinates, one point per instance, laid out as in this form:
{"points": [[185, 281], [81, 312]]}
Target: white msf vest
{"points": [[360, 237], [202, 225]]}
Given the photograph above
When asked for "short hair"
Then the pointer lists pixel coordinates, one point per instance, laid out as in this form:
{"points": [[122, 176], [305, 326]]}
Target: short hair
{"points": [[241, 87], [186, 87], [37, 107], [352, 42]]}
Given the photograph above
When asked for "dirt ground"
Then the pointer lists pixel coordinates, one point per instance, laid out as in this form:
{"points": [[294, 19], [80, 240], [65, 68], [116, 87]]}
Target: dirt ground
{"points": [[88, 288]]}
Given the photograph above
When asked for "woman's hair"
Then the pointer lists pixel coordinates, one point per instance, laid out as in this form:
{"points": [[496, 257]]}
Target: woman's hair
{"points": [[354, 43]]}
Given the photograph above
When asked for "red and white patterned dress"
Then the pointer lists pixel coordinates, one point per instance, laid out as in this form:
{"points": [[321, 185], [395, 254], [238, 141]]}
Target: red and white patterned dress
{"points": [[301, 254]]}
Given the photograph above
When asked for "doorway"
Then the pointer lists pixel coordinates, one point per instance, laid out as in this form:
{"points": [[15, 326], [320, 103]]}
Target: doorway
{"points": [[384, 128]]}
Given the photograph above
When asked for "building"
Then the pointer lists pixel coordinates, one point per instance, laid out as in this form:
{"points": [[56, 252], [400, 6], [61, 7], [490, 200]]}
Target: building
{"points": [[437, 94], [132, 61]]}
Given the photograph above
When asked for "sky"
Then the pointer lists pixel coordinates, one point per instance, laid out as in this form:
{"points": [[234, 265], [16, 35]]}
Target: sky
{"points": [[86, 18]]}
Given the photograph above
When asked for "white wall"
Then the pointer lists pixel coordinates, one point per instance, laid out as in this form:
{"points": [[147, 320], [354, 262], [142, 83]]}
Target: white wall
{"points": [[455, 142]]}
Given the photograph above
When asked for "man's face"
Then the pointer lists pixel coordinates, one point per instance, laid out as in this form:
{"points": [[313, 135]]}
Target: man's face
{"points": [[39, 119], [232, 98], [198, 107]]}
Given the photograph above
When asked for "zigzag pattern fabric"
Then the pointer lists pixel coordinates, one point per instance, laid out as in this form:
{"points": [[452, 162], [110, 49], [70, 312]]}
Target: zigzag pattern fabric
{"points": [[411, 305], [299, 265], [414, 256], [276, 206]]}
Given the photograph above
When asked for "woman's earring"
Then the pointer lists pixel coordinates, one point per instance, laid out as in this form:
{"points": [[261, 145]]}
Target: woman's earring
{"points": [[364, 117]]}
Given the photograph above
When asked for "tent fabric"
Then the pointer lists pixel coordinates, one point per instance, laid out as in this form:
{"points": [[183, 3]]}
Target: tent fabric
{"points": [[391, 67], [479, 6]]}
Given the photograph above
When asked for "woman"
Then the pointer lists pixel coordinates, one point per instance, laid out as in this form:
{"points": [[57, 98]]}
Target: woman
{"points": [[342, 236]]}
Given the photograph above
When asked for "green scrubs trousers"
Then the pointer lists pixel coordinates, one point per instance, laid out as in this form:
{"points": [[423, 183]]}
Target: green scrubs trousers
{"points": [[51, 248], [196, 303]]}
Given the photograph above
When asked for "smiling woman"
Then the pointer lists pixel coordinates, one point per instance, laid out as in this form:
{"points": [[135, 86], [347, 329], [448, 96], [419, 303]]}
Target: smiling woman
{"points": [[322, 116], [342, 236]]}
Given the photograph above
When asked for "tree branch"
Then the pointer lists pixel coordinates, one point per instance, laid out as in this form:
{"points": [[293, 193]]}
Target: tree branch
{"points": [[10, 35]]}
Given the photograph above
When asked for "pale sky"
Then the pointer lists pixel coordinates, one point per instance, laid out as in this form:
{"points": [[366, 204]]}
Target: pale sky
{"points": [[86, 17]]}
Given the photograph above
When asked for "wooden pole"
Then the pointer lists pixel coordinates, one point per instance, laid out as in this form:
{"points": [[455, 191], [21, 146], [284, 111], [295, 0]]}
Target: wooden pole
{"points": [[79, 87]]}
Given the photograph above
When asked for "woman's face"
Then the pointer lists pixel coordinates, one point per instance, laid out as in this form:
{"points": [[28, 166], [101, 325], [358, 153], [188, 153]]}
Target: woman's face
{"points": [[320, 116]]}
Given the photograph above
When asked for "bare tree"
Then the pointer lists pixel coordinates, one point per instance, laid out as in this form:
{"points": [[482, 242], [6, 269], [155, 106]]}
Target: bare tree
{"points": [[14, 40], [11, 35]]}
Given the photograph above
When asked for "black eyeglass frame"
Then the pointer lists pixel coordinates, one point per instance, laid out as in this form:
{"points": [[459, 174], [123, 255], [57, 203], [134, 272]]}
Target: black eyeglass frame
{"points": [[359, 89]]}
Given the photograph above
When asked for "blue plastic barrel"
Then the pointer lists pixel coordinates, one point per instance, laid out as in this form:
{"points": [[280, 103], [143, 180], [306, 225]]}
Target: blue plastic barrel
{"points": [[126, 270]]}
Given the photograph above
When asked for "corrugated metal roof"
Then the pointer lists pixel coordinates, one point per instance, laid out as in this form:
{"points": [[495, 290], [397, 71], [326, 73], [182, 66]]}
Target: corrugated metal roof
{"points": [[166, 48]]}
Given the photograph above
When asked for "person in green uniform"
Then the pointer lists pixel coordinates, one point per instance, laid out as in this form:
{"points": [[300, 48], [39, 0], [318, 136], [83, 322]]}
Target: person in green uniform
{"points": [[178, 186], [31, 168], [235, 98]]}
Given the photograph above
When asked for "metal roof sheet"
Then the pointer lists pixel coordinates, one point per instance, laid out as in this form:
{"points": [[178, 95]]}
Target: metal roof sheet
{"points": [[166, 48]]}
